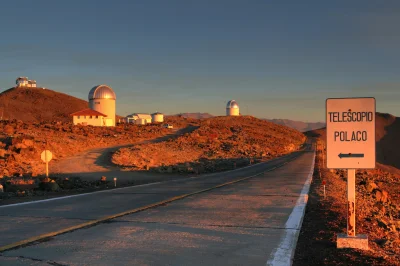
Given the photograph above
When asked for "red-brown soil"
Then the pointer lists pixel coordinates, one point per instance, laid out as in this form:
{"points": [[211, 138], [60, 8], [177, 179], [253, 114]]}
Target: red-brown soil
{"points": [[38, 105], [21, 143], [216, 145], [377, 215]]}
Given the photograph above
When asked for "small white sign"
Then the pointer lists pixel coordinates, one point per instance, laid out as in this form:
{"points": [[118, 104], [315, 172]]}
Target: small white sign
{"points": [[350, 133], [46, 156]]}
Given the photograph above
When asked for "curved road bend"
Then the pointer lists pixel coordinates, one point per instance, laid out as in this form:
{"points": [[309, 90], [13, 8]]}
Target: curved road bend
{"points": [[245, 223], [94, 163]]}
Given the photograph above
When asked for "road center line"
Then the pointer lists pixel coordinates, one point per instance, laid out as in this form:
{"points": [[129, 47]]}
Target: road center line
{"points": [[110, 217], [149, 184]]}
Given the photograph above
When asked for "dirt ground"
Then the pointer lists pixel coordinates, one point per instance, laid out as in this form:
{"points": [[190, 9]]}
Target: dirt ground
{"points": [[219, 143], [376, 216]]}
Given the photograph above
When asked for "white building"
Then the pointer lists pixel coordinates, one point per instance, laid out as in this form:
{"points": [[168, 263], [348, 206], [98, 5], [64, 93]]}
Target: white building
{"points": [[157, 117], [140, 121], [32, 83], [102, 99], [25, 82], [89, 117], [135, 116], [232, 108]]}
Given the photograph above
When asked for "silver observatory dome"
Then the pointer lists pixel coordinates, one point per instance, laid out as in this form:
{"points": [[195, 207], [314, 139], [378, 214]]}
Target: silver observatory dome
{"points": [[232, 104], [102, 92]]}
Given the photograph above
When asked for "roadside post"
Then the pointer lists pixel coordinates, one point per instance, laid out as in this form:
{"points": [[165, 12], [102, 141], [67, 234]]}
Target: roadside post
{"points": [[115, 182], [46, 157], [350, 144]]}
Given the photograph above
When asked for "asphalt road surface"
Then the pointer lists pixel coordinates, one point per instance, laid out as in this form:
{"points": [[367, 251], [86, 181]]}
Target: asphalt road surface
{"points": [[252, 222]]}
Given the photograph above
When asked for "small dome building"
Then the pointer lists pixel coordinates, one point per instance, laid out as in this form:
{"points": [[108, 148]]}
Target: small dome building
{"points": [[157, 117], [102, 99], [232, 108]]}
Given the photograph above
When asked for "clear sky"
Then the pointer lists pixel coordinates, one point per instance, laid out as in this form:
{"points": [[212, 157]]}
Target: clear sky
{"points": [[278, 59]]}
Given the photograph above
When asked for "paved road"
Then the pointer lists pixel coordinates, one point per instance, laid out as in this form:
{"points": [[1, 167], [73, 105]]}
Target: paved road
{"points": [[239, 224]]}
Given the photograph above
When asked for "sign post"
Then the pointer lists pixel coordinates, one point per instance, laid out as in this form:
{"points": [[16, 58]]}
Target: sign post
{"points": [[46, 157], [350, 144]]}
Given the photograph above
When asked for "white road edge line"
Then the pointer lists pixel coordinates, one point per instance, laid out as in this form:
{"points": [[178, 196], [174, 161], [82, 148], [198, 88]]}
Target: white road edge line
{"points": [[114, 189], [283, 254], [76, 195]]}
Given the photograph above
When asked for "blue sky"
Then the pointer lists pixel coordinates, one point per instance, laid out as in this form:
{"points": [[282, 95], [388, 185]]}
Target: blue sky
{"points": [[278, 59]]}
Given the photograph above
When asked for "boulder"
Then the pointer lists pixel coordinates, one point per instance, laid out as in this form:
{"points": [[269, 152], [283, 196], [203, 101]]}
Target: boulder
{"points": [[371, 186], [381, 195], [9, 130], [385, 196], [381, 208], [378, 194], [382, 223], [49, 186]]}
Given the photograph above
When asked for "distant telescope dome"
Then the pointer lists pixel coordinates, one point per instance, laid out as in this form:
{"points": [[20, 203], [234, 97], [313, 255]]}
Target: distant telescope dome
{"points": [[232, 104], [102, 92]]}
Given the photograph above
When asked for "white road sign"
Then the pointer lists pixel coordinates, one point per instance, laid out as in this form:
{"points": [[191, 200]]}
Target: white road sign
{"points": [[350, 133], [46, 156]]}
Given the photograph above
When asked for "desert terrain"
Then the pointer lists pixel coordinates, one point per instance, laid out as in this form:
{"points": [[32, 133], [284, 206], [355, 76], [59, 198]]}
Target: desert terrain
{"points": [[219, 143], [38, 105], [199, 144], [377, 207], [83, 155]]}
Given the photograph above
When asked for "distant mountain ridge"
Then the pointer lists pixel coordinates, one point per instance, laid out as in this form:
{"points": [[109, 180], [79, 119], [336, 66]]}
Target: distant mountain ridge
{"points": [[195, 115], [45, 105], [298, 125]]}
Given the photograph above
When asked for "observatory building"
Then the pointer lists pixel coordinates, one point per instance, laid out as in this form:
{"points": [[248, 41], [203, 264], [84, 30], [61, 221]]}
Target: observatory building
{"points": [[157, 117], [89, 117], [25, 82], [232, 108], [102, 99], [101, 110], [139, 118]]}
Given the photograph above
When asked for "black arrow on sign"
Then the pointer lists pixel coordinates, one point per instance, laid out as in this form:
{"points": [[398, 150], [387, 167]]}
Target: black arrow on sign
{"points": [[351, 155]]}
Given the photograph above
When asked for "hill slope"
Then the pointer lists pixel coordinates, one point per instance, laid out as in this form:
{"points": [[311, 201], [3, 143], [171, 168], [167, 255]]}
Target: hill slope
{"points": [[38, 105], [194, 115], [218, 144], [387, 140], [298, 125]]}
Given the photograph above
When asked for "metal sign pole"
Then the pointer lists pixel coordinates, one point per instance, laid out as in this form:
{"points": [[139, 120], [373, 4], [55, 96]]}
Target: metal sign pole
{"points": [[351, 202], [47, 163]]}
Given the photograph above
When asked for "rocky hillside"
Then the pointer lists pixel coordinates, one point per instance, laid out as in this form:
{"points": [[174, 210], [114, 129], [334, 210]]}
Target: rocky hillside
{"points": [[377, 215], [38, 105], [21, 143], [387, 141], [220, 143], [298, 125]]}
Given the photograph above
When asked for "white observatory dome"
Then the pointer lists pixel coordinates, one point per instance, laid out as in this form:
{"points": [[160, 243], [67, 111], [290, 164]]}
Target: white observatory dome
{"points": [[102, 99], [232, 108], [232, 104], [102, 92]]}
